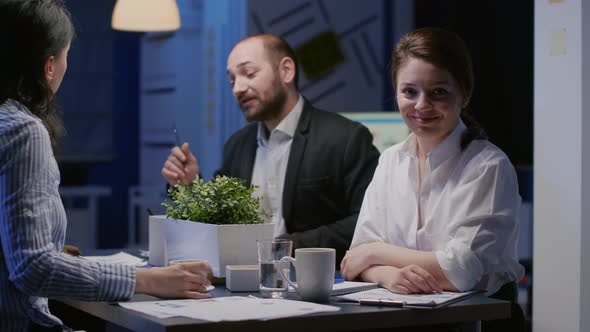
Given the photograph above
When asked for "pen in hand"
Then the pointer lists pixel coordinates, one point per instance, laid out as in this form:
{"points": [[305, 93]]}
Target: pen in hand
{"points": [[179, 145], [176, 137]]}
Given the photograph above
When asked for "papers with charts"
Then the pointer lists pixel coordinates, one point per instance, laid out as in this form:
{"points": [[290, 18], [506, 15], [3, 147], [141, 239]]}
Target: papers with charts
{"points": [[231, 308], [382, 296]]}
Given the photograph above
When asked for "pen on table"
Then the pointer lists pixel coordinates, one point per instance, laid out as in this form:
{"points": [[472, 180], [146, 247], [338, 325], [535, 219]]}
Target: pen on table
{"points": [[382, 302]]}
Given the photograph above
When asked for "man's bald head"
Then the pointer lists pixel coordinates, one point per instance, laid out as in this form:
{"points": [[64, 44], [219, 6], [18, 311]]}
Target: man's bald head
{"points": [[276, 49]]}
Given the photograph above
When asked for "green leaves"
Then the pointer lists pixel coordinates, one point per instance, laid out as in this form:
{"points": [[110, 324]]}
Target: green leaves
{"points": [[223, 200]]}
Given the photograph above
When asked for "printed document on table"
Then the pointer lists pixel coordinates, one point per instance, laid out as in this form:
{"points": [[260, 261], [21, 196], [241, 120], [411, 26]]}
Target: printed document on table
{"points": [[410, 300], [231, 308], [348, 287], [151, 308]]}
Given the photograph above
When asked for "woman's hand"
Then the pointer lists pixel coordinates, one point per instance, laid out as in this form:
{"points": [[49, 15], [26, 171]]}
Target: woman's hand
{"points": [[185, 280], [359, 259], [72, 250], [411, 279]]}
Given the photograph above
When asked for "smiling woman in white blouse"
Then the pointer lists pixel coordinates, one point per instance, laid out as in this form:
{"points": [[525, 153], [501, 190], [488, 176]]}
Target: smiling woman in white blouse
{"points": [[441, 211]]}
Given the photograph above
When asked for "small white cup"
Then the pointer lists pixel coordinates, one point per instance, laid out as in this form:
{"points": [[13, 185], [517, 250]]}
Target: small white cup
{"points": [[315, 268]]}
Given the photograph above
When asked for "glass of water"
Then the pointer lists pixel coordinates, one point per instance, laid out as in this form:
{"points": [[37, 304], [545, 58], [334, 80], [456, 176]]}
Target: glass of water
{"points": [[270, 253]]}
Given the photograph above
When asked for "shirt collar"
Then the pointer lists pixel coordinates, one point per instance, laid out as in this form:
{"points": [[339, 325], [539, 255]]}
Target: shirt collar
{"points": [[449, 147], [20, 106], [287, 126]]}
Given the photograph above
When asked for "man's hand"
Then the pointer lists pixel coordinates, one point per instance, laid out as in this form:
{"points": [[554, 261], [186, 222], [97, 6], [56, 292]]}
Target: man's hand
{"points": [[185, 280], [181, 166]]}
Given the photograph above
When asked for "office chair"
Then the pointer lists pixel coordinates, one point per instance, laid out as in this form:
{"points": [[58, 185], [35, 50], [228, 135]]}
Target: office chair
{"points": [[516, 322]]}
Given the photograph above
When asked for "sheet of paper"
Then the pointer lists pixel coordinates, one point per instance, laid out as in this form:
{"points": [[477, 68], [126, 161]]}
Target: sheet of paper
{"points": [[118, 258], [347, 287], [151, 308], [411, 299], [230, 308], [352, 287]]}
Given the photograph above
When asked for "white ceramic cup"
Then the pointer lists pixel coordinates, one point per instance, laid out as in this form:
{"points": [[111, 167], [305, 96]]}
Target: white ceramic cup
{"points": [[315, 268]]}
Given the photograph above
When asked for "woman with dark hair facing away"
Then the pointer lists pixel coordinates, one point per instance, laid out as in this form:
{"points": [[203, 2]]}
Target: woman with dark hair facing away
{"points": [[441, 211], [36, 36]]}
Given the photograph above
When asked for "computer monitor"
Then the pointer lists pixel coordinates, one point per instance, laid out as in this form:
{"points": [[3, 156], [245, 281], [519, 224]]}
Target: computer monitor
{"points": [[388, 128]]}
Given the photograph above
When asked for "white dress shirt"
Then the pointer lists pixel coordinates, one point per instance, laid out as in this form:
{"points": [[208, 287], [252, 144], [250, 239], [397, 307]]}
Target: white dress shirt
{"points": [[270, 166], [469, 206]]}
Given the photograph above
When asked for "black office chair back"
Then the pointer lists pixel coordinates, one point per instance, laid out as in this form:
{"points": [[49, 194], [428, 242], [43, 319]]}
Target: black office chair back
{"points": [[517, 321]]}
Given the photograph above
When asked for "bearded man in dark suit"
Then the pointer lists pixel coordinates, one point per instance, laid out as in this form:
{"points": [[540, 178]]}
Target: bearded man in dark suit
{"points": [[311, 167]]}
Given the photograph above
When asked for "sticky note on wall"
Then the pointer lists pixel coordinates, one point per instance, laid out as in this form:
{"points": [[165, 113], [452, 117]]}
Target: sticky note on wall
{"points": [[558, 42]]}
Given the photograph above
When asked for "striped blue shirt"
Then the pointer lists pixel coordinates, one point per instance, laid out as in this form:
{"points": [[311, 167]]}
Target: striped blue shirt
{"points": [[33, 266]]}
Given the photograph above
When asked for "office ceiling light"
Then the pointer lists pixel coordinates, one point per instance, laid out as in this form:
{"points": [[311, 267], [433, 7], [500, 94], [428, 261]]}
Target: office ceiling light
{"points": [[145, 15]]}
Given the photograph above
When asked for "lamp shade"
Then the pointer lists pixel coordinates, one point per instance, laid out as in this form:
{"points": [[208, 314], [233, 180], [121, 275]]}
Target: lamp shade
{"points": [[145, 15]]}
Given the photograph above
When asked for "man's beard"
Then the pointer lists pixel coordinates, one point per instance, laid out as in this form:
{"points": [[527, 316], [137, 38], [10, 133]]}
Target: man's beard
{"points": [[271, 108]]}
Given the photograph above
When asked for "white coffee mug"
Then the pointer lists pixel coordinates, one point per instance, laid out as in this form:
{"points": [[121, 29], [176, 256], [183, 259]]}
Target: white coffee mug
{"points": [[315, 268]]}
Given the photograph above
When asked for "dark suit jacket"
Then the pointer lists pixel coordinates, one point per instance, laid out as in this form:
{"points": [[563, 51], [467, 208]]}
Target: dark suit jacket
{"points": [[330, 165]]}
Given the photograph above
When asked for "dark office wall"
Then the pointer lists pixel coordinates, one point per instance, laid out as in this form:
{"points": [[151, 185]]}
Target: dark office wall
{"points": [[500, 37], [121, 172], [99, 98]]}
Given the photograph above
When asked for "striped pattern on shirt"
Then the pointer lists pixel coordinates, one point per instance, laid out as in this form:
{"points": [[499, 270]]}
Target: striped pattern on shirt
{"points": [[33, 266]]}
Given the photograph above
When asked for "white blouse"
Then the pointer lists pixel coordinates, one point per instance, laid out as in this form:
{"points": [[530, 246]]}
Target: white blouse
{"points": [[469, 205]]}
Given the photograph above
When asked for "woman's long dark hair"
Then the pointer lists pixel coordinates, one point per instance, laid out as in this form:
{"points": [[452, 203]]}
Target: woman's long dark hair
{"points": [[446, 50], [30, 32]]}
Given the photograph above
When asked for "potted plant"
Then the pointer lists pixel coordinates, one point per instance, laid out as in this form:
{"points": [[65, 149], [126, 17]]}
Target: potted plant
{"points": [[218, 221]]}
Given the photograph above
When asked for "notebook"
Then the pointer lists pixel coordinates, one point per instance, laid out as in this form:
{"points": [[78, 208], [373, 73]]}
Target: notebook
{"points": [[349, 287], [383, 297]]}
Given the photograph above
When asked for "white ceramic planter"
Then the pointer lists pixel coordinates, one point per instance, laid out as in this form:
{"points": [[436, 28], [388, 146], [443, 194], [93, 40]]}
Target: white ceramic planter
{"points": [[220, 245]]}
